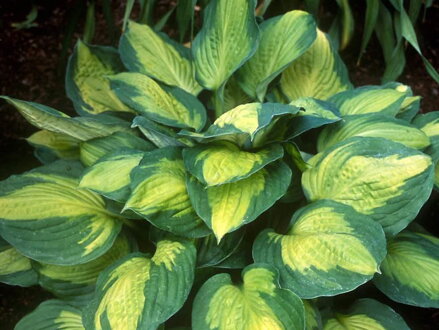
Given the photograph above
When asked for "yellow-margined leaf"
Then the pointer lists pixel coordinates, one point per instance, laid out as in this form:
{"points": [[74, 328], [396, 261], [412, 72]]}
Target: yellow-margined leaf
{"points": [[328, 249], [318, 73], [377, 177], [61, 145], [258, 303], [313, 319]]}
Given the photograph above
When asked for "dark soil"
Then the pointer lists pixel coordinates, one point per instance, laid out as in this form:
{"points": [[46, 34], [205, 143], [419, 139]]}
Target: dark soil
{"points": [[32, 68]]}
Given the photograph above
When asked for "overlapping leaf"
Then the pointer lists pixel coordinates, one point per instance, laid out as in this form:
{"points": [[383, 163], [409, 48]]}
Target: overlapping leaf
{"points": [[229, 206], [377, 177], [328, 249], [139, 292], [159, 194], [46, 217], [410, 270], [259, 303], [58, 145]]}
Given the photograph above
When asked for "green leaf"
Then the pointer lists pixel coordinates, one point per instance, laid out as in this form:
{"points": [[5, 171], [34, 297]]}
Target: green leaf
{"points": [[52, 315], [92, 150], [62, 146], [185, 16], [315, 113], [86, 84], [139, 292], [110, 175], [228, 38], [283, 39], [169, 106], [347, 23], [318, 73], [369, 99], [144, 50], [373, 125], [220, 163], [328, 249], [409, 271], [377, 177], [429, 124], [313, 319], [248, 125], [227, 207], [46, 217], [258, 303], [160, 135], [15, 268], [80, 128], [159, 194], [365, 314], [76, 283], [370, 21], [234, 95]]}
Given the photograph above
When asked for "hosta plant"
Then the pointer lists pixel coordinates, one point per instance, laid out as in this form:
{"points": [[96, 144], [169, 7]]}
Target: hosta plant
{"points": [[233, 184]]}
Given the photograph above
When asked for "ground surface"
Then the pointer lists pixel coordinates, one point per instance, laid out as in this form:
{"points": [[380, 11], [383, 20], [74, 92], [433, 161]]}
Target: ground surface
{"points": [[32, 68]]}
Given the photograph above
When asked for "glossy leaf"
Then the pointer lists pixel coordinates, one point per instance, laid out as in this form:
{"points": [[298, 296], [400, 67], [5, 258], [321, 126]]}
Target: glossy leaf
{"points": [[259, 303], [52, 315], [328, 249], [139, 292], [169, 106], [146, 51], [365, 314], [373, 125], [158, 194], [86, 82], [46, 217], [377, 177], [409, 271], [220, 163], [229, 206], [318, 73], [229, 36], [283, 39]]}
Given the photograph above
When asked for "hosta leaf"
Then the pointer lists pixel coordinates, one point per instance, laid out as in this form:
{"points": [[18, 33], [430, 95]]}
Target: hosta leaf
{"points": [[318, 73], [228, 38], [328, 249], [410, 270], [139, 292], [169, 106], [15, 268], [373, 125], [234, 95], [383, 179], [258, 303], [144, 50], [92, 150], [210, 253], [248, 125], [216, 164], [46, 217], [283, 39], [159, 193], [369, 99], [110, 175], [77, 283], [52, 315], [429, 124], [60, 145], [411, 104], [313, 320], [160, 135], [227, 207], [365, 314], [315, 113], [86, 82], [81, 128]]}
